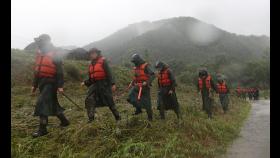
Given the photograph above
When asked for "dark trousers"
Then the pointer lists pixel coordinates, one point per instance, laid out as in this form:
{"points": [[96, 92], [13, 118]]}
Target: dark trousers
{"points": [[224, 100], [207, 104], [91, 105]]}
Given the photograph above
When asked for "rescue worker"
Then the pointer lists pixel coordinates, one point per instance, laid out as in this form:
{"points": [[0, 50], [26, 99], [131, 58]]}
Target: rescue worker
{"points": [[48, 77], [238, 91], [139, 95], [243, 93], [167, 98], [250, 95], [101, 85], [223, 92], [256, 94], [206, 86]]}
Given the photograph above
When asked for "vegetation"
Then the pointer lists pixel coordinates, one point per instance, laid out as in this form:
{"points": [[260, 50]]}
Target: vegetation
{"points": [[195, 136]]}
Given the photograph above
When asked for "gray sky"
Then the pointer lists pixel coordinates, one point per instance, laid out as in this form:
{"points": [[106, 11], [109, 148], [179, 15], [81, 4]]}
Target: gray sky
{"points": [[79, 22]]}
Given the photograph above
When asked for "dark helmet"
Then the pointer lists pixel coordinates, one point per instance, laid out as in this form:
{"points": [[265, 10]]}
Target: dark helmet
{"points": [[43, 38], [159, 65], [202, 72], [135, 58], [92, 50], [219, 75], [43, 42], [220, 79]]}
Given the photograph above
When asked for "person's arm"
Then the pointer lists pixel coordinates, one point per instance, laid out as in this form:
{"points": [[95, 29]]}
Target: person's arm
{"points": [[213, 85], [109, 73], [198, 89], [87, 82], [228, 88], [35, 81], [172, 78], [149, 71]]}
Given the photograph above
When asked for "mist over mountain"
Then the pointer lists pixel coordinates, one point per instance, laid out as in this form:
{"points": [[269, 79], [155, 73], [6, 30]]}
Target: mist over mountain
{"points": [[63, 50], [181, 38]]}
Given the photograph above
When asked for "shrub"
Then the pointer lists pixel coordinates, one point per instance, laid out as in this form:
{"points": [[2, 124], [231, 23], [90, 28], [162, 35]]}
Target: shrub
{"points": [[72, 72]]}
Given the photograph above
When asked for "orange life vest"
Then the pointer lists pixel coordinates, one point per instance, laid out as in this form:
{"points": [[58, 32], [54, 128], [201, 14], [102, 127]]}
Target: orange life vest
{"points": [[96, 71], [221, 87], [44, 66], [163, 78], [207, 80], [139, 73]]}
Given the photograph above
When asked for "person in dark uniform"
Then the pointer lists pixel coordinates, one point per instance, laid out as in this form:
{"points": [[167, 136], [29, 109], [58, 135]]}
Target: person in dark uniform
{"points": [[256, 93], [223, 91], [250, 93], [48, 77], [206, 86], [167, 98], [101, 85], [238, 91], [139, 95]]}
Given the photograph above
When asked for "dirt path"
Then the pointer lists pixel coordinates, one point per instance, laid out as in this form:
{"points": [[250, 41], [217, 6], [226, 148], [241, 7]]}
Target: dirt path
{"points": [[254, 140]]}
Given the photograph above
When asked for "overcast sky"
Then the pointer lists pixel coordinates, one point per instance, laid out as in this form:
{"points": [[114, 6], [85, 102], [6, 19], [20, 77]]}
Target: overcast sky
{"points": [[79, 22]]}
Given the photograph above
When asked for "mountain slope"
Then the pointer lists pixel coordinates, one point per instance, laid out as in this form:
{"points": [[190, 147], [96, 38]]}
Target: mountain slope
{"points": [[183, 38]]}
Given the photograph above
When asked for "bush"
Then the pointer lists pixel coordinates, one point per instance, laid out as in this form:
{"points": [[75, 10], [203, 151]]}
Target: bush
{"points": [[72, 72]]}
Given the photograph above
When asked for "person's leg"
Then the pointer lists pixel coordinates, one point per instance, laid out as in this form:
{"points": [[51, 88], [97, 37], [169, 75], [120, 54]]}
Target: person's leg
{"points": [[90, 106], [222, 101], [158, 100], [162, 111], [149, 113], [42, 127], [175, 102], [115, 112], [161, 106], [63, 120], [208, 107], [177, 112], [138, 109], [132, 99], [203, 101], [226, 102]]}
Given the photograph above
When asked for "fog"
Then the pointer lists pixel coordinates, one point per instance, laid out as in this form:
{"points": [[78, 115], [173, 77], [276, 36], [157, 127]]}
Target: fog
{"points": [[81, 22]]}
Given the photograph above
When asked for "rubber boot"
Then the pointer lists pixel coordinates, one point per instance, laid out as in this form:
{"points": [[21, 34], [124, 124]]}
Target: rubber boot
{"points": [[115, 113], [210, 116], [90, 113], [63, 121], [137, 111], [42, 128], [162, 114], [150, 114], [178, 114]]}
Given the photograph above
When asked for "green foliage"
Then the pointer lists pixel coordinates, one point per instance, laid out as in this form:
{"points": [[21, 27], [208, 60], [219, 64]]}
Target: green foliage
{"points": [[21, 67], [257, 73], [72, 72]]}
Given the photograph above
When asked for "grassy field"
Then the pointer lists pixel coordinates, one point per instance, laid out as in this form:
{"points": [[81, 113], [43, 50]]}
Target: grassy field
{"points": [[194, 137]]}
